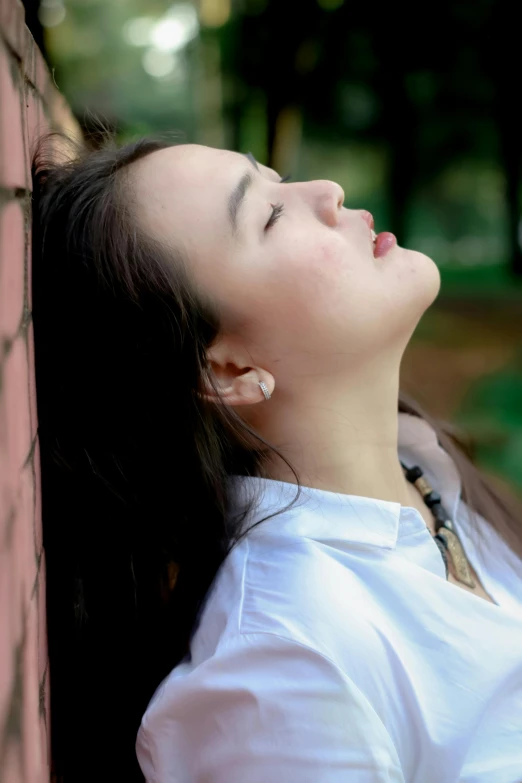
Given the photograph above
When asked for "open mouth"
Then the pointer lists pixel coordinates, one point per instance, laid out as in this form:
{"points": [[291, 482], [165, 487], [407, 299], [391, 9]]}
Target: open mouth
{"points": [[382, 243]]}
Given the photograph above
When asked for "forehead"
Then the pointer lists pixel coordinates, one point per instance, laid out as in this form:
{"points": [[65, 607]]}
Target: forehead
{"points": [[182, 192], [185, 164]]}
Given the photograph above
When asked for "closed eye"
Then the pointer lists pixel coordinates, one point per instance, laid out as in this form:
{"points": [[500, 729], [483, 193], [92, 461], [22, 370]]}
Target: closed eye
{"points": [[277, 211]]}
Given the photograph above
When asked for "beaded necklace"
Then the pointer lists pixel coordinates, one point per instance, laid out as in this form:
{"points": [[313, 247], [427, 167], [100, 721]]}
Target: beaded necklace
{"points": [[445, 536]]}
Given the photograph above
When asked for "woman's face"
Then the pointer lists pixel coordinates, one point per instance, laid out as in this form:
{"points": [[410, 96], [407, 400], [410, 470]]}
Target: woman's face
{"points": [[292, 271]]}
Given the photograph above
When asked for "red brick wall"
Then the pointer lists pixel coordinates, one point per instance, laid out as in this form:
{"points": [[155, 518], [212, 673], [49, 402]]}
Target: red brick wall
{"points": [[29, 104]]}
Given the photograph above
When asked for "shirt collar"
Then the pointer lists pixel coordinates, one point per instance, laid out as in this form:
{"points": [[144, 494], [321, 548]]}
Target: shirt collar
{"points": [[335, 517]]}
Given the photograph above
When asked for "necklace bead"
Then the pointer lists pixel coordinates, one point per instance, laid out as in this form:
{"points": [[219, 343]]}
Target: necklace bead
{"points": [[412, 474], [447, 539], [432, 498]]}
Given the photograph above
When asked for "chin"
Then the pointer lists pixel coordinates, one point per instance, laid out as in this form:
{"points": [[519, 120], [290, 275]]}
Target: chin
{"points": [[428, 276]]}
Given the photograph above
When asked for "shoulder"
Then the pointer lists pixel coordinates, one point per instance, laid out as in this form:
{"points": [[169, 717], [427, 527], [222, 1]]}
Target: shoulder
{"points": [[265, 707], [295, 588]]}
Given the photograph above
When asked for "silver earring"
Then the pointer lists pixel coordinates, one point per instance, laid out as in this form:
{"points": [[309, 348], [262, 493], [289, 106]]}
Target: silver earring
{"points": [[264, 389]]}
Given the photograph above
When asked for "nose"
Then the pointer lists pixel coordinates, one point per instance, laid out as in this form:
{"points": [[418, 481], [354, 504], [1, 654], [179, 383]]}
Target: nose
{"points": [[329, 200]]}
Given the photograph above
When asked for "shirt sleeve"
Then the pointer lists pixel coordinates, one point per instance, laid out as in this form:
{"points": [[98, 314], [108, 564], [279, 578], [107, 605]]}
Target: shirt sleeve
{"points": [[264, 708]]}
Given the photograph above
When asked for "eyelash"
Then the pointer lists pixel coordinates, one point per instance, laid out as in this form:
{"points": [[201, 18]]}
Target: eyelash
{"points": [[277, 209]]}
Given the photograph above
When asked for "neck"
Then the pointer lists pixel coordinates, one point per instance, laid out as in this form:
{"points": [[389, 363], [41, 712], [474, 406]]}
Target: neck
{"points": [[341, 437]]}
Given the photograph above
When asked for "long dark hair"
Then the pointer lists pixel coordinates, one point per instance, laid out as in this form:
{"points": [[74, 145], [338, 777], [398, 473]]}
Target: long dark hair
{"points": [[134, 462]]}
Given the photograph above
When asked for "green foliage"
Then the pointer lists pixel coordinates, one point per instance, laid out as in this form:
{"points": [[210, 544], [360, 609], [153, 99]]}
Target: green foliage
{"points": [[419, 129], [102, 74]]}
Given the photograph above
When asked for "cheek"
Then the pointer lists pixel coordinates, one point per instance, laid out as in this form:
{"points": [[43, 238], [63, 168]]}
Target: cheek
{"points": [[325, 287], [340, 278], [324, 267], [308, 277], [304, 295], [327, 270]]}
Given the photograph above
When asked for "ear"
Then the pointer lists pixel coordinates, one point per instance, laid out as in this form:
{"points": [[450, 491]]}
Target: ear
{"points": [[235, 377]]}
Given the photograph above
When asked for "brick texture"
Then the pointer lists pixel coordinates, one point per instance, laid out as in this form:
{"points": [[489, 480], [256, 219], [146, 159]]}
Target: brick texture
{"points": [[29, 105]]}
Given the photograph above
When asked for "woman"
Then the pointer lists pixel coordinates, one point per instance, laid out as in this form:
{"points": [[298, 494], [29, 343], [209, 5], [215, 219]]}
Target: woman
{"points": [[235, 492]]}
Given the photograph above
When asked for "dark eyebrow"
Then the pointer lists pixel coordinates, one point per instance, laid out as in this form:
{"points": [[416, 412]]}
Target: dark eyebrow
{"points": [[253, 161], [238, 194]]}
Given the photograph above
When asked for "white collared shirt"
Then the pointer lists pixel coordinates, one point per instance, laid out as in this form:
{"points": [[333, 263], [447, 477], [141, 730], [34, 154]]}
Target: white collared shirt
{"points": [[332, 649]]}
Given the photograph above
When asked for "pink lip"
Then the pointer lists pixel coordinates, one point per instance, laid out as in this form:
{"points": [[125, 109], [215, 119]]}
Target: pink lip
{"points": [[368, 218], [384, 243]]}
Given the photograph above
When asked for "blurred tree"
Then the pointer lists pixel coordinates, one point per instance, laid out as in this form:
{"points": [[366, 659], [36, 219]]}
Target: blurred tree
{"points": [[434, 99], [503, 60], [411, 109]]}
